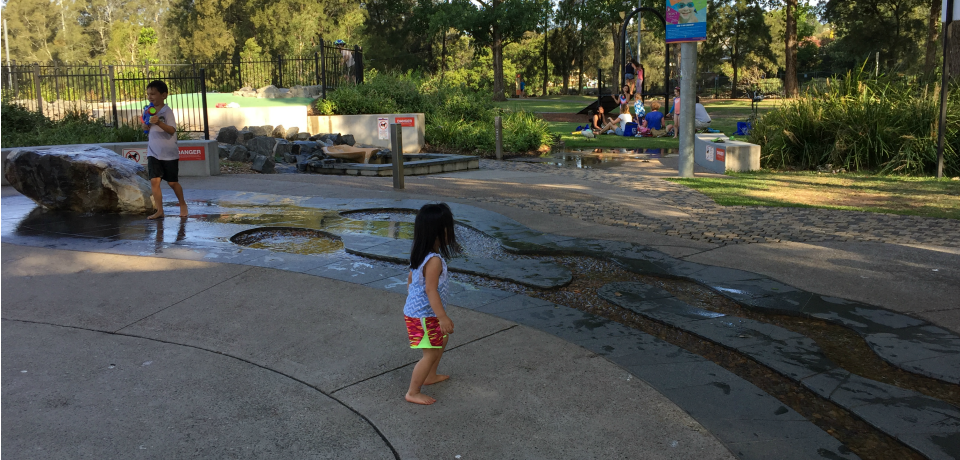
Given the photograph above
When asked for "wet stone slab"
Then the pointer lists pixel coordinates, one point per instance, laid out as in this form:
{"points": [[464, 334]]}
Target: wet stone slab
{"points": [[534, 273], [926, 424], [893, 410]]}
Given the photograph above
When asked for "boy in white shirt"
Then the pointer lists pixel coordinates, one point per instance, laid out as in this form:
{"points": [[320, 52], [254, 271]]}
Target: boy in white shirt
{"points": [[163, 155]]}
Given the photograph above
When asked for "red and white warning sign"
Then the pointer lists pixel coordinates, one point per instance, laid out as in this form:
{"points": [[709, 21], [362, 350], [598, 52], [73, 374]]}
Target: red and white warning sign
{"points": [[406, 122], [721, 154], [192, 153]]}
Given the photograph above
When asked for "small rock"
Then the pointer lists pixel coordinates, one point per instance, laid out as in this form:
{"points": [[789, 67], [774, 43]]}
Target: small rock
{"points": [[289, 158], [244, 136], [279, 132], [291, 134], [269, 92], [349, 140], [239, 153], [264, 165], [303, 136], [262, 145], [227, 135], [281, 148]]}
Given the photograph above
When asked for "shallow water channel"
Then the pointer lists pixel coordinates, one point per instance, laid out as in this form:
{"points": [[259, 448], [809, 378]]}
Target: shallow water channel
{"points": [[597, 158]]}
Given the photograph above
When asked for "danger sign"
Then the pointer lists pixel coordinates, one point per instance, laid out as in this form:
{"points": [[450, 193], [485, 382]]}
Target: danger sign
{"points": [[192, 153], [407, 122], [721, 154]]}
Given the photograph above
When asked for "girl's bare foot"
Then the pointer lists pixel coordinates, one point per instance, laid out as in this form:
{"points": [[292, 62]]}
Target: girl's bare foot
{"points": [[435, 379], [420, 398], [183, 210], [156, 215]]}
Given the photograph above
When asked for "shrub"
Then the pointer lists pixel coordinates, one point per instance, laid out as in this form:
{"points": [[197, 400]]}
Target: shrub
{"points": [[862, 123], [457, 117], [23, 128]]}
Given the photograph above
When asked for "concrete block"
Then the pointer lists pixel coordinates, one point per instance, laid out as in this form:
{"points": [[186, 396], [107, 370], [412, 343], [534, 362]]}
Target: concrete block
{"points": [[728, 155]]}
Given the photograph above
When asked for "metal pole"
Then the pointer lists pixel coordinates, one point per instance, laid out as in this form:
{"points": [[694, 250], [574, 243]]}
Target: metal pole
{"points": [[396, 145], [113, 96], [36, 84], [688, 103], [316, 68], [203, 101], [6, 42], [323, 69], [945, 80], [498, 131]]}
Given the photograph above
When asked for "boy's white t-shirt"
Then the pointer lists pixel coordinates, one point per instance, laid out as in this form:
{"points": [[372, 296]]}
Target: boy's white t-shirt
{"points": [[701, 114], [161, 145], [624, 119]]}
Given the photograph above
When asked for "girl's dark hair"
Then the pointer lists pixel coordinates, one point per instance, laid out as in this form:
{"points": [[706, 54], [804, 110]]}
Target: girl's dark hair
{"points": [[434, 223]]}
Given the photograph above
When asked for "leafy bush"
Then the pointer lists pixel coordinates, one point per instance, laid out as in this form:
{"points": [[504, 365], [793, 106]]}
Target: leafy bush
{"points": [[23, 128], [862, 123], [457, 117]]}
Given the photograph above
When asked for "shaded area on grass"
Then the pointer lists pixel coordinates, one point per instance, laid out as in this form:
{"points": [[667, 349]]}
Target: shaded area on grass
{"points": [[925, 197]]}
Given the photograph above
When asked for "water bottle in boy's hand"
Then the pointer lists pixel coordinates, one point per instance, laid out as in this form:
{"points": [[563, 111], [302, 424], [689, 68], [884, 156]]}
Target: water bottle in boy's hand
{"points": [[148, 111]]}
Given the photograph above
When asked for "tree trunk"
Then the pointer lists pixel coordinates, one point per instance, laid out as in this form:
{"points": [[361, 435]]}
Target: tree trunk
{"points": [[616, 58], [545, 68], [735, 55], [443, 55], [933, 32], [497, 48], [790, 86]]}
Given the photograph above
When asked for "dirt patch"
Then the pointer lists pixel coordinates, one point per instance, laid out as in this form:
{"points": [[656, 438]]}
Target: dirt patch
{"points": [[563, 117]]}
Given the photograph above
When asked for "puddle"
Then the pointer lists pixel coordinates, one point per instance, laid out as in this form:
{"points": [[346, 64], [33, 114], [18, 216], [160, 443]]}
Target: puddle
{"points": [[289, 240], [598, 158]]}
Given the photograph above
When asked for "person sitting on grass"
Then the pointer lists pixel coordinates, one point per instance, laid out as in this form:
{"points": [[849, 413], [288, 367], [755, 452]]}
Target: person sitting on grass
{"points": [[703, 120], [623, 119], [597, 120], [654, 119]]}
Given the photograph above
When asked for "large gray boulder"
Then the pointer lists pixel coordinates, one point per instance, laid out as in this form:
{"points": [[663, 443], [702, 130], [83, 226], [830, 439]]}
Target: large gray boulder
{"points": [[291, 134], [236, 153], [349, 139], [269, 92], [88, 179], [265, 130], [264, 165], [244, 136], [227, 135], [306, 147], [261, 145], [282, 148]]}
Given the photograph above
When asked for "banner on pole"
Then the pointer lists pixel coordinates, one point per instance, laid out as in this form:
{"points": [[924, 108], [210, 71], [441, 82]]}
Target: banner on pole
{"points": [[686, 21]]}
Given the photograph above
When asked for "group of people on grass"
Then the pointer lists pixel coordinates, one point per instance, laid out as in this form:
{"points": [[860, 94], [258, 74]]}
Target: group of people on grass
{"points": [[648, 124]]}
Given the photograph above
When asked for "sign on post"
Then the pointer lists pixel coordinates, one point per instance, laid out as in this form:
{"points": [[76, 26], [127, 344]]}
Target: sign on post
{"points": [[382, 132], [686, 21]]}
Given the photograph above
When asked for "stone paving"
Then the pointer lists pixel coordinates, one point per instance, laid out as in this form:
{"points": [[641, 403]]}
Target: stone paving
{"points": [[723, 225]]}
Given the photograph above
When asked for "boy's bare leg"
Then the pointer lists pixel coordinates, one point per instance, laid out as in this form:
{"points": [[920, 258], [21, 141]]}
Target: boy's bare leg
{"points": [[430, 357], [433, 377], [157, 198], [179, 191]]}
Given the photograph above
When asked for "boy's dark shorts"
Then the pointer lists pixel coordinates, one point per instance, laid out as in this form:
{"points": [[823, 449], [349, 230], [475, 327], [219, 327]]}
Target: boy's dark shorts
{"points": [[168, 170]]}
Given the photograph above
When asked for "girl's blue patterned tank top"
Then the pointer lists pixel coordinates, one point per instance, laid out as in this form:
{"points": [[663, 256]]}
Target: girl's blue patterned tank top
{"points": [[418, 305]]}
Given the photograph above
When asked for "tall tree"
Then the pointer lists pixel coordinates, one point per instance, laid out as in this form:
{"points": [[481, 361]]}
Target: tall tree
{"points": [[497, 23], [790, 86], [933, 32], [895, 28]]}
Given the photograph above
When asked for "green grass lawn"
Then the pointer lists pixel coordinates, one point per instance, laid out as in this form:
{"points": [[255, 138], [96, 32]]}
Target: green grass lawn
{"points": [[725, 115], [193, 100], [918, 196]]}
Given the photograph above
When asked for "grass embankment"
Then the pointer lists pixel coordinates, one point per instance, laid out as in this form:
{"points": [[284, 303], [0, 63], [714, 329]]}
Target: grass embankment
{"points": [[915, 196], [725, 115]]}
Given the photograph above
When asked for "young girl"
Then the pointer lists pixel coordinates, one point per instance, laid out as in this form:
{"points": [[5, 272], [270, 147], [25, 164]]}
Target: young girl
{"points": [[427, 322]]}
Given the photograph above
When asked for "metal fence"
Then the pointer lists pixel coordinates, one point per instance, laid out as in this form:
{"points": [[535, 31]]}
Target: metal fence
{"points": [[114, 94], [117, 93]]}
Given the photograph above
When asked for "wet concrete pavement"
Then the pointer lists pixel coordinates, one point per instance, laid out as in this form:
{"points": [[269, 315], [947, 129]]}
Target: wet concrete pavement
{"points": [[238, 332]]}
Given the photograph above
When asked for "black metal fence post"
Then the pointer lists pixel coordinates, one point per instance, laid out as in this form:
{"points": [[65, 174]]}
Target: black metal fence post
{"points": [[36, 84], [358, 63], [323, 68], [279, 82], [113, 96], [203, 102]]}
